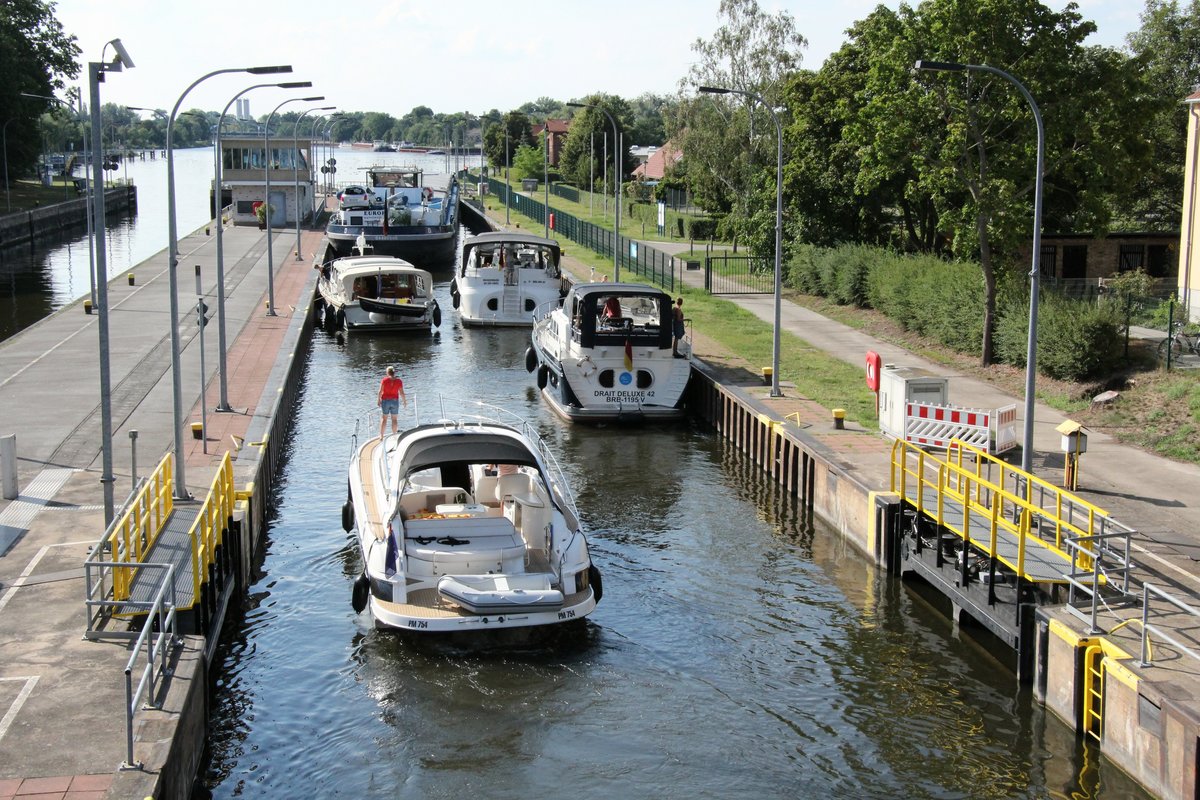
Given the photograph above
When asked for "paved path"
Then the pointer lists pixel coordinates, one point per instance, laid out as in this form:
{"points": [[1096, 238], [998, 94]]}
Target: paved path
{"points": [[62, 723]]}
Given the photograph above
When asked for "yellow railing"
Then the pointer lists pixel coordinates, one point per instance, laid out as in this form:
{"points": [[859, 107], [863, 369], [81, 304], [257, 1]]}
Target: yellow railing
{"points": [[1035, 512], [1093, 690], [208, 530], [138, 528]]}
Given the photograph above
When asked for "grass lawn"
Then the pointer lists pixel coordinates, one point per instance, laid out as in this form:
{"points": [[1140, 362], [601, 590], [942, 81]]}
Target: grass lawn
{"points": [[25, 195]]}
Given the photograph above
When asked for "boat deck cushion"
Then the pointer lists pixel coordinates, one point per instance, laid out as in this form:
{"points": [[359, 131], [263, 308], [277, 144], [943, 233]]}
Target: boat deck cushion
{"points": [[462, 544], [501, 594]]}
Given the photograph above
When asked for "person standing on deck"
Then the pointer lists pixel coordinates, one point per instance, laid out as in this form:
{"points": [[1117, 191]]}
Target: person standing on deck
{"points": [[391, 393]]}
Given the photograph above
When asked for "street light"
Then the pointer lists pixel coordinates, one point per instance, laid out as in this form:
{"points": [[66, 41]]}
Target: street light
{"points": [[775, 391], [96, 70], [328, 167], [315, 145], [1035, 270], [617, 211], [218, 163], [296, 168], [507, 185], [267, 197], [181, 492]]}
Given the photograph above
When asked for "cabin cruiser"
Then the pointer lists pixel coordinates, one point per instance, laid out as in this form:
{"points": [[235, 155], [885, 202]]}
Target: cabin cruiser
{"points": [[605, 353], [465, 522], [503, 276], [380, 293]]}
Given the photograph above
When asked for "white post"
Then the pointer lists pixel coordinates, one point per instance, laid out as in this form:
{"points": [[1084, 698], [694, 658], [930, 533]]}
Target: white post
{"points": [[8, 466]]}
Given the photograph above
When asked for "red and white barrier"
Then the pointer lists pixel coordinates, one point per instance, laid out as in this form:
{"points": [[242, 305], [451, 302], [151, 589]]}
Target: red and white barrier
{"points": [[932, 425]]}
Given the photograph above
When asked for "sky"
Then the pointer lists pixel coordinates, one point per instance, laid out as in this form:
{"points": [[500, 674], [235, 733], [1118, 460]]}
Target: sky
{"points": [[449, 55]]}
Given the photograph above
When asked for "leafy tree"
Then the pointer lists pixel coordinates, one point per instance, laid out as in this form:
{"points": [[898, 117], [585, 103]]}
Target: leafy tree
{"points": [[590, 129], [646, 125], [376, 125], [946, 161], [528, 162], [1167, 51], [520, 132], [38, 57], [751, 51]]}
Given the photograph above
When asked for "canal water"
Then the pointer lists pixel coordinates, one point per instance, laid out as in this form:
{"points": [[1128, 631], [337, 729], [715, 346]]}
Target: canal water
{"points": [[740, 650]]}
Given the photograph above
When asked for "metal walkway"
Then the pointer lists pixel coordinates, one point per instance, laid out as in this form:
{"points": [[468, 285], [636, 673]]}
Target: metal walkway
{"points": [[1040, 532]]}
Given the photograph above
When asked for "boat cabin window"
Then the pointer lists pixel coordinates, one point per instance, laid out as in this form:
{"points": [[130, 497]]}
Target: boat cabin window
{"points": [[606, 319]]}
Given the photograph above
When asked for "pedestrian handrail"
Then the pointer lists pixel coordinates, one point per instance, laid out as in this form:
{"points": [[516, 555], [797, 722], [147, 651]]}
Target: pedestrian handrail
{"points": [[157, 642], [1033, 512], [132, 535], [1108, 553], [1148, 628], [209, 527]]}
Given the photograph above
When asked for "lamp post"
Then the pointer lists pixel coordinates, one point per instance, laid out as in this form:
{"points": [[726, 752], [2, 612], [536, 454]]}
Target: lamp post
{"points": [[1035, 269], [267, 197], [331, 162], [296, 168], [546, 176], [507, 185], [775, 391], [96, 70], [313, 159], [617, 211], [181, 492], [218, 163]]}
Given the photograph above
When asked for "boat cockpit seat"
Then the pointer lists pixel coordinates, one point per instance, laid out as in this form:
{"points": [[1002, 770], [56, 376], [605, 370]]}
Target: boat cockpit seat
{"points": [[515, 487]]}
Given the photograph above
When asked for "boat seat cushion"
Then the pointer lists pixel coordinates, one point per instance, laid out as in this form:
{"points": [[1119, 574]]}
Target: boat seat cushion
{"points": [[462, 545]]}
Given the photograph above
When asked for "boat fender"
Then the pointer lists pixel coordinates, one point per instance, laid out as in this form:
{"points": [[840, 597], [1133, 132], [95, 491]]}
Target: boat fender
{"points": [[437, 315], [530, 360], [543, 376], [455, 300], [347, 516], [358, 597], [453, 287], [595, 582], [341, 319]]}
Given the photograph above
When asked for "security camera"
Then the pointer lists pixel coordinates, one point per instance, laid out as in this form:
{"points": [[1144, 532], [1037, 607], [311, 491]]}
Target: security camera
{"points": [[122, 54]]}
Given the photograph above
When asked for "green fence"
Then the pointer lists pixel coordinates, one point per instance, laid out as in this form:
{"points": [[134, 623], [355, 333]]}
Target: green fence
{"points": [[636, 259]]}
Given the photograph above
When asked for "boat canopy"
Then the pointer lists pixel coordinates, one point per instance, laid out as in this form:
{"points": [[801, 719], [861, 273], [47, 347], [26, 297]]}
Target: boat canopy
{"points": [[461, 446], [514, 246]]}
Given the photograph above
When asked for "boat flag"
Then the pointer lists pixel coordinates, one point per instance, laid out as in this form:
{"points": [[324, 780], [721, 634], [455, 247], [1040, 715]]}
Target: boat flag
{"points": [[628, 355]]}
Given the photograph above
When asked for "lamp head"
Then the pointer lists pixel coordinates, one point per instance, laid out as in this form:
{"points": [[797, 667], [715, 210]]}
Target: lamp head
{"points": [[122, 59], [578, 105], [311, 99], [294, 85], [713, 90], [939, 66], [269, 70]]}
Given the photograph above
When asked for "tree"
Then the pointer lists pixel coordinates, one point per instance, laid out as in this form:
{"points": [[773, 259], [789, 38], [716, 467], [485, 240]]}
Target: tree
{"points": [[946, 161], [584, 147], [1167, 52], [751, 51], [646, 124], [38, 57], [528, 162], [520, 132]]}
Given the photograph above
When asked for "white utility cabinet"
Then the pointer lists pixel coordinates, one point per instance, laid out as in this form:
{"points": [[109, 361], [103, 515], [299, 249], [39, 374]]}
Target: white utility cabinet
{"points": [[899, 386]]}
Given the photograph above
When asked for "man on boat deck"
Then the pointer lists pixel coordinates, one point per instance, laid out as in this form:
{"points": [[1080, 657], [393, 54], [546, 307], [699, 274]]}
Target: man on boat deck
{"points": [[391, 392]]}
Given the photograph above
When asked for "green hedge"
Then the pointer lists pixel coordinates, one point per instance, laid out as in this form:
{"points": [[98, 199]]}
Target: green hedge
{"points": [[703, 228], [945, 300]]}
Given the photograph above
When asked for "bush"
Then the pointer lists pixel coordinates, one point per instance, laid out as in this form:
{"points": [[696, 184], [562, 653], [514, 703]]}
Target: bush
{"points": [[703, 228], [1076, 339]]}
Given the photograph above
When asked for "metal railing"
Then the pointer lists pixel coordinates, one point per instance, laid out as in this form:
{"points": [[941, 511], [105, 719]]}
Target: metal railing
{"points": [[1148, 628], [157, 642], [1031, 511], [211, 522], [110, 566]]}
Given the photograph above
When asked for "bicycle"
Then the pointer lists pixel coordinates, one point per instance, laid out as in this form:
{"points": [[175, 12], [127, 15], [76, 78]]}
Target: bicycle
{"points": [[1179, 341]]}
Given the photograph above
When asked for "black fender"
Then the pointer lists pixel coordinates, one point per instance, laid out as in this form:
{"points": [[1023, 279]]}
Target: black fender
{"points": [[437, 315], [531, 359], [455, 300], [360, 593], [543, 376], [347, 516], [595, 582]]}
